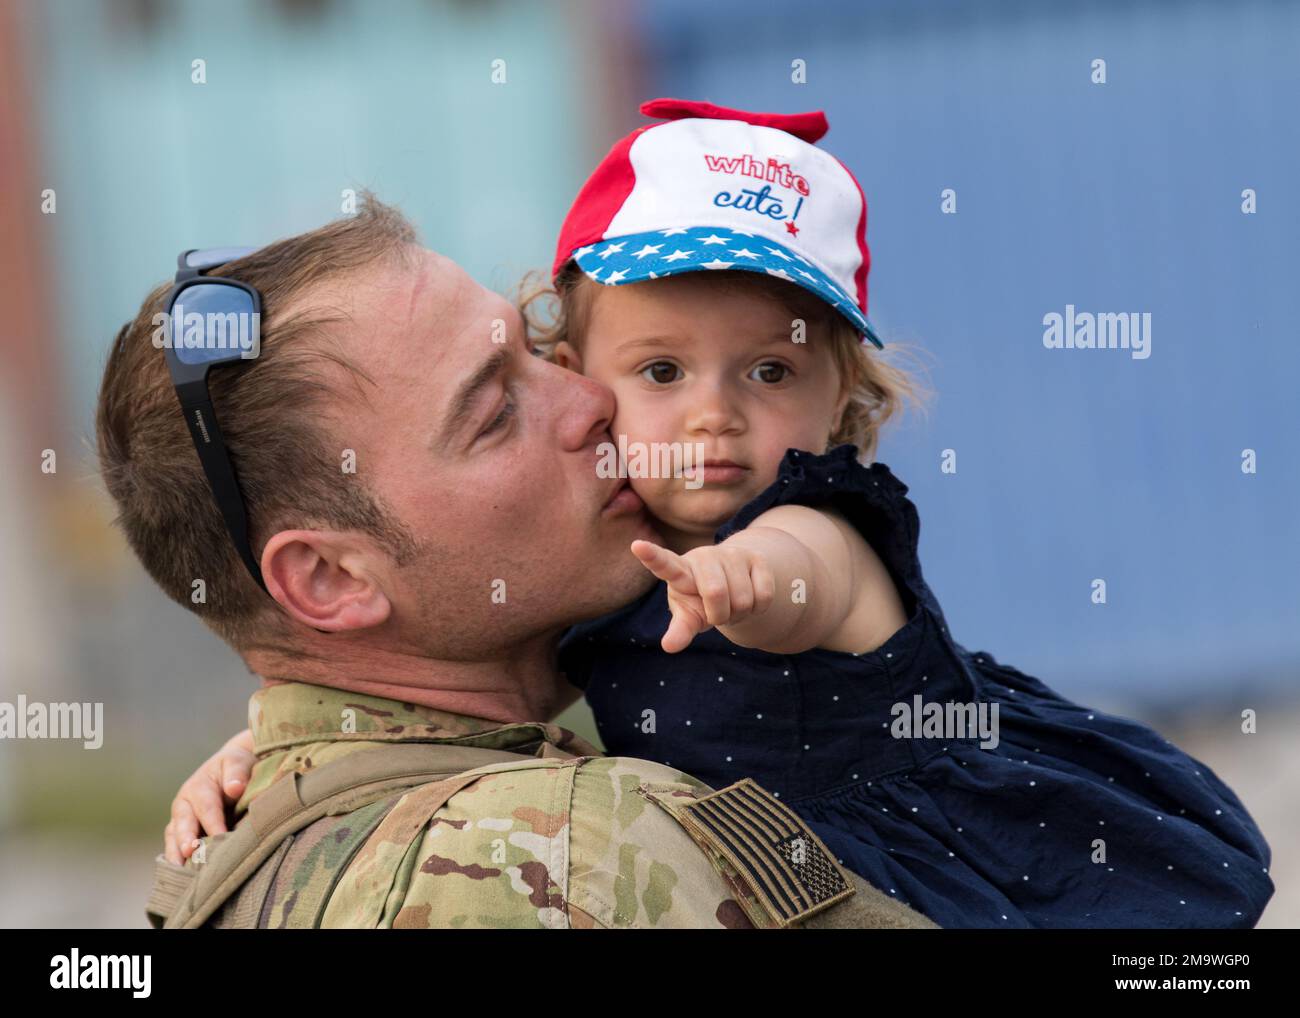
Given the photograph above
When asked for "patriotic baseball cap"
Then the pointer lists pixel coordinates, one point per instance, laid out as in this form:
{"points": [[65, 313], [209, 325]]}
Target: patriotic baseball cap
{"points": [[715, 188]]}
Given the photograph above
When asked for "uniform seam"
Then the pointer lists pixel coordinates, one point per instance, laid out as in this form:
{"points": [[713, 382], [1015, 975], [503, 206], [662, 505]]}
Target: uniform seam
{"points": [[568, 833], [413, 849], [584, 893], [396, 873]]}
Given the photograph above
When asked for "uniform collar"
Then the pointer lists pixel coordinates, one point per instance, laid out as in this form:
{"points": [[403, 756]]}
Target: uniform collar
{"points": [[295, 713]]}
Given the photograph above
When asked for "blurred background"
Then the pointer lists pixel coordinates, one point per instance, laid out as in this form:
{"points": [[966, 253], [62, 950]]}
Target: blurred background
{"points": [[1072, 464]]}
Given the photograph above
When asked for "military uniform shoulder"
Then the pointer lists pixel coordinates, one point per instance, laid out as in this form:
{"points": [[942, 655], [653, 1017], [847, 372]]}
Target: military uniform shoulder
{"points": [[653, 846], [631, 865], [626, 769], [548, 842], [484, 848], [582, 842]]}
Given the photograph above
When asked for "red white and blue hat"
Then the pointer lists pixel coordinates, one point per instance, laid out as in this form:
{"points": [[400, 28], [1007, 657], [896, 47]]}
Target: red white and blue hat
{"points": [[715, 188]]}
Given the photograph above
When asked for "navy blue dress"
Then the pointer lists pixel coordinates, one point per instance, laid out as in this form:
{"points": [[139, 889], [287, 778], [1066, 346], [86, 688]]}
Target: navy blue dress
{"points": [[1075, 819]]}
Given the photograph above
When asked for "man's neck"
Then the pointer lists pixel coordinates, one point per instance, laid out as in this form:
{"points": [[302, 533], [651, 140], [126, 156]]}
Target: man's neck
{"points": [[522, 684]]}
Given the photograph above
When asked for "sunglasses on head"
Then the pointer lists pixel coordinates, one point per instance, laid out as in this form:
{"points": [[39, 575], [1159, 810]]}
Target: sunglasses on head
{"points": [[212, 322]]}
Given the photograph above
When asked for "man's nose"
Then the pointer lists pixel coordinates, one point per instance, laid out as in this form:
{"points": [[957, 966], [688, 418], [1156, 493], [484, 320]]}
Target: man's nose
{"points": [[586, 407]]}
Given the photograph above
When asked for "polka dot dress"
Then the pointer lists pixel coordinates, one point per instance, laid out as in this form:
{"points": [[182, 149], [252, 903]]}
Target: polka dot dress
{"points": [[1070, 818]]}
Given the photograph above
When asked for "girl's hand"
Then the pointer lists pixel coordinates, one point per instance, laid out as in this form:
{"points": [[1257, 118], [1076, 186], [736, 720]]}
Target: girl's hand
{"points": [[711, 586], [219, 781]]}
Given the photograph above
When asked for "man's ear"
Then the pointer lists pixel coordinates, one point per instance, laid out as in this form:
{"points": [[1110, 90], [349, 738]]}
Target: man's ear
{"points": [[566, 356], [326, 579]]}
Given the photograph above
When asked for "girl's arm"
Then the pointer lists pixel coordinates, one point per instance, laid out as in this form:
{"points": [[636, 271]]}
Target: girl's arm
{"points": [[795, 579], [832, 590]]}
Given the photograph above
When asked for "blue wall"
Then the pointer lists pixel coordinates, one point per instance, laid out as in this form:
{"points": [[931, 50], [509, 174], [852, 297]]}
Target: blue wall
{"points": [[1072, 464]]}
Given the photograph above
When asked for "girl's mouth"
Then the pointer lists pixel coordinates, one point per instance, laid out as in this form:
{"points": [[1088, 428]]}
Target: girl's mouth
{"points": [[718, 471]]}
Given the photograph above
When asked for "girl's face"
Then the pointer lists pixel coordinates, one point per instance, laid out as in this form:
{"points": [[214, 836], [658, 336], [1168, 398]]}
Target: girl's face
{"points": [[714, 369]]}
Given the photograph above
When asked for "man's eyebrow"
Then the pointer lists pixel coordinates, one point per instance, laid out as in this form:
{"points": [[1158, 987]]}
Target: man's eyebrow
{"points": [[463, 401]]}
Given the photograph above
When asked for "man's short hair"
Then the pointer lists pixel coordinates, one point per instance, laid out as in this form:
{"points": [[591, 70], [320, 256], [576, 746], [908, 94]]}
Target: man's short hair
{"points": [[275, 417]]}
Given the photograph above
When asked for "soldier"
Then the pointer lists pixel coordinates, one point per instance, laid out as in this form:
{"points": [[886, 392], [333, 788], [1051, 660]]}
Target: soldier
{"points": [[394, 512], [560, 838]]}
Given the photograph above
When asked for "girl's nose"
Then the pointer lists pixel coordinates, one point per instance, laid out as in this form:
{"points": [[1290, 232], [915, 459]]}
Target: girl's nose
{"points": [[713, 411]]}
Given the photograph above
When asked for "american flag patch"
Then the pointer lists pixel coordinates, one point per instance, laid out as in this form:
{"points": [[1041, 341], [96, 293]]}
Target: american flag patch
{"points": [[790, 871]]}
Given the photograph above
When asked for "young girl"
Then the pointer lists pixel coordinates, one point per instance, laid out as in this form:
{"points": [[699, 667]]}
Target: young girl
{"points": [[792, 638]]}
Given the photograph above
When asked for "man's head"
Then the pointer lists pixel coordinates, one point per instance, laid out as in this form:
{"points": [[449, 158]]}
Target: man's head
{"points": [[414, 476]]}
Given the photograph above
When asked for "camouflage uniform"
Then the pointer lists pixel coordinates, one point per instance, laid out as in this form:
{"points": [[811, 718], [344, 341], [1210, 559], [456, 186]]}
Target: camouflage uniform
{"points": [[565, 838]]}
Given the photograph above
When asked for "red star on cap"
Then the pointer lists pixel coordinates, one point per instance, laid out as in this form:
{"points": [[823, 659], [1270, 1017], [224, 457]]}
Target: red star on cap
{"points": [[792, 229]]}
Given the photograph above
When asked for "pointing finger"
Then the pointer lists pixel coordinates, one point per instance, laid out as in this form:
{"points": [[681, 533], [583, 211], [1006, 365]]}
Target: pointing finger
{"points": [[666, 565]]}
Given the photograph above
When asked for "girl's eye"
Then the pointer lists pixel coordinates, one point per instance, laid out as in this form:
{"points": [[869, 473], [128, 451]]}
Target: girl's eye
{"points": [[770, 372], [660, 372], [506, 413]]}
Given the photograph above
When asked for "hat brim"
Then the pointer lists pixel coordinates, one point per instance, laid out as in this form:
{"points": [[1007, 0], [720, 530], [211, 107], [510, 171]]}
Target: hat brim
{"points": [[636, 257]]}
